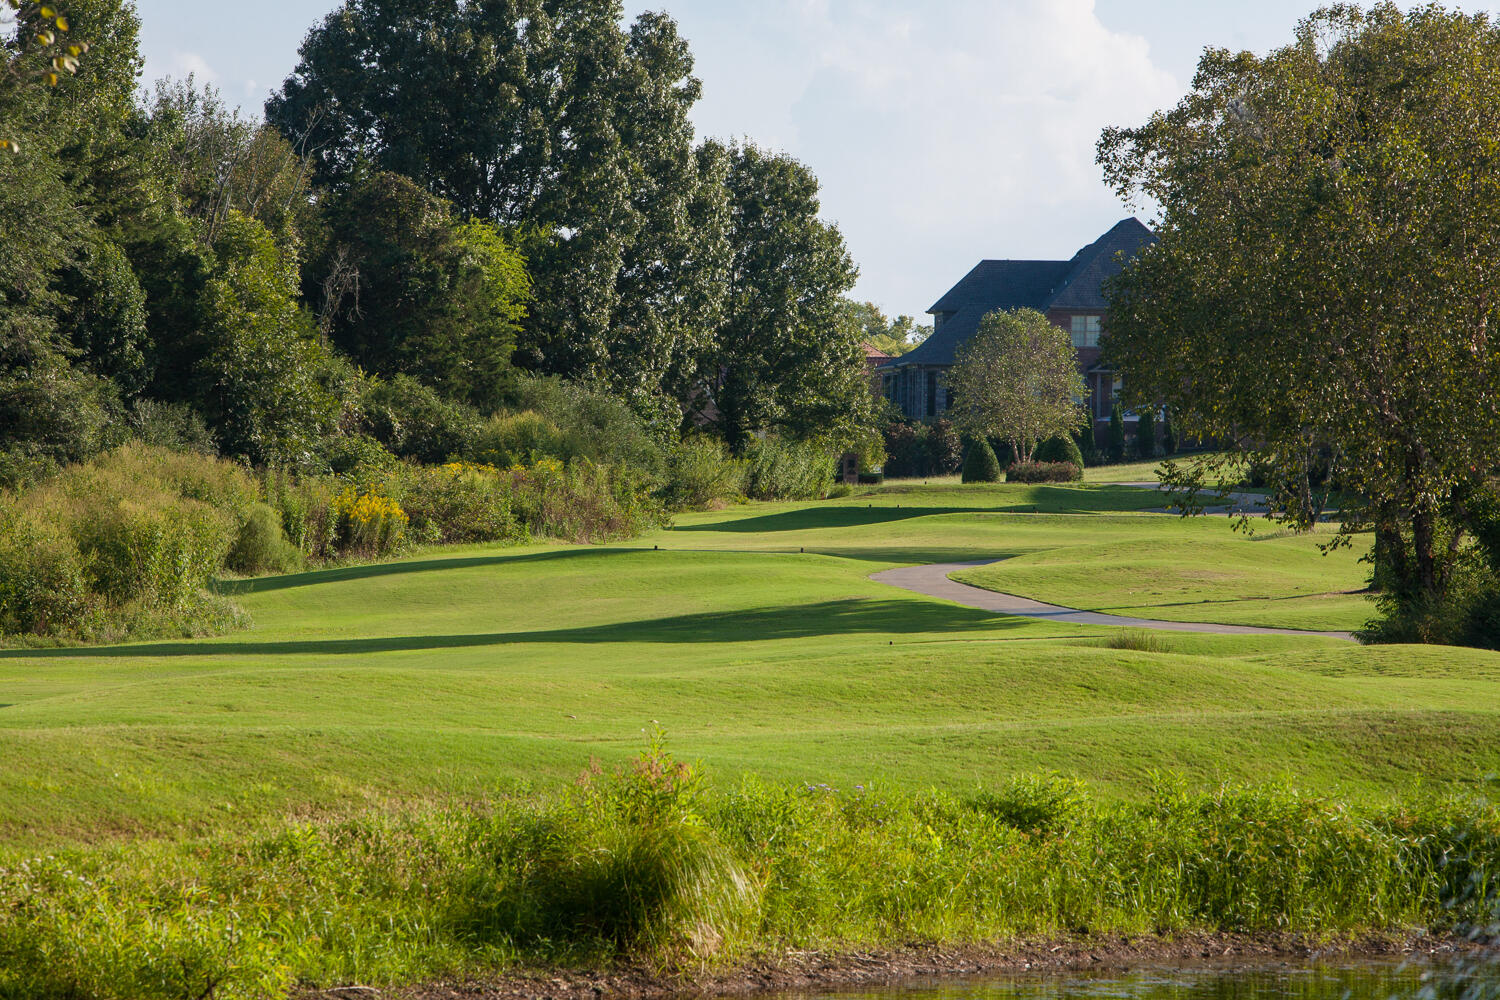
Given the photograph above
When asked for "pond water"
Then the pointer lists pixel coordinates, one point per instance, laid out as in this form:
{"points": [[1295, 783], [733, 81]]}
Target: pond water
{"points": [[1471, 979]]}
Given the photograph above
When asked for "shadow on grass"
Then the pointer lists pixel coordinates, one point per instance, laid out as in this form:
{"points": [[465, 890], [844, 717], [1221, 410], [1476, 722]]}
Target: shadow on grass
{"points": [[815, 518], [341, 574], [829, 618]]}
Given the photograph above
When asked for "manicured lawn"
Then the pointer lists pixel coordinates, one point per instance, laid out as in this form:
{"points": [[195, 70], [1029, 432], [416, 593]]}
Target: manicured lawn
{"points": [[464, 671]]}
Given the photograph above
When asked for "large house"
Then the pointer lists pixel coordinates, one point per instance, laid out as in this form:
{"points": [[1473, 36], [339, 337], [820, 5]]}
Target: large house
{"points": [[1069, 292]]}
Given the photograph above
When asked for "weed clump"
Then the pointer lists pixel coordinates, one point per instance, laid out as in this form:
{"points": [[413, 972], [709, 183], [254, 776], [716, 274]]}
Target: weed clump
{"points": [[1139, 640]]}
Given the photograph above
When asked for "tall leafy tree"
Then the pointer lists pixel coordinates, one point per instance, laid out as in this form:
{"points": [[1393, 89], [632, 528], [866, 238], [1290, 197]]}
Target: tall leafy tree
{"points": [[787, 355], [546, 118], [1326, 272], [1016, 380], [406, 287]]}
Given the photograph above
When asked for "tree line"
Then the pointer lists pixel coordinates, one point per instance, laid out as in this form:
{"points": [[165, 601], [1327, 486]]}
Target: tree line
{"points": [[464, 194]]}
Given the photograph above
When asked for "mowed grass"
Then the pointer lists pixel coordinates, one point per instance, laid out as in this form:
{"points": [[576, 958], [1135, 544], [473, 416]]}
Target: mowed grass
{"points": [[755, 637]]}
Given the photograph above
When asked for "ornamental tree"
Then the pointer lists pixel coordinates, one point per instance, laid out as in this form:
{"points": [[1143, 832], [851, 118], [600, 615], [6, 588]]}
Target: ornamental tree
{"points": [[1016, 380], [1326, 272]]}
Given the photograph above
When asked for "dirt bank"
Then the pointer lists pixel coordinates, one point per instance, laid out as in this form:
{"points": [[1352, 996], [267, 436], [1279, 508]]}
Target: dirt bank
{"points": [[805, 971]]}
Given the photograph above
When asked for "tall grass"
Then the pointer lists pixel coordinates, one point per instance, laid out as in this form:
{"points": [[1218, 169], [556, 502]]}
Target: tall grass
{"points": [[645, 864]]}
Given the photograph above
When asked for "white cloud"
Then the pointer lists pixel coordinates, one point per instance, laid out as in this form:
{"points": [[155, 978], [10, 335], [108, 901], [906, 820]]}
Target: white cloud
{"points": [[943, 132], [183, 64]]}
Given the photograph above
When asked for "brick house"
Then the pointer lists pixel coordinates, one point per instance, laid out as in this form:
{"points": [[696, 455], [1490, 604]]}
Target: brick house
{"points": [[1070, 294]]}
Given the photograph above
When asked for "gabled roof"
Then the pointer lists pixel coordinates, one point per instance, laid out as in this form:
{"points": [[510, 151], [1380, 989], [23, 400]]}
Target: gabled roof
{"points": [[1100, 260], [1027, 284], [993, 284]]}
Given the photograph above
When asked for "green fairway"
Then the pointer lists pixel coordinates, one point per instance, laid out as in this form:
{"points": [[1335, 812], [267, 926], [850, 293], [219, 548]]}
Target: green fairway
{"points": [[756, 638]]}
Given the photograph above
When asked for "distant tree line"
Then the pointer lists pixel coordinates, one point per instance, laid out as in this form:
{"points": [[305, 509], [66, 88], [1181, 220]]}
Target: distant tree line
{"points": [[461, 194]]}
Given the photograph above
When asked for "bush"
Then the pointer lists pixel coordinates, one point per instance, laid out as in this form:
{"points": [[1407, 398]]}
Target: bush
{"points": [[1168, 435], [980, 464], [413, 421], [154, 551], [519, 439], [369, 525], [918, 450], [123, 545], [595, 425], [584, 502], [701, 473], [42, 587], [1043, 472], [1116, 434], [308, 520], [1039, 804], [1145, 434], [458, 502], [778, 469], [174, 426], [261, 546], [357, 459], [1058, 449]]}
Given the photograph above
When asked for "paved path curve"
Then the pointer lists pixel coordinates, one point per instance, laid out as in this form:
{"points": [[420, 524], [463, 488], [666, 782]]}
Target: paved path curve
{"points": [[933, 581]]}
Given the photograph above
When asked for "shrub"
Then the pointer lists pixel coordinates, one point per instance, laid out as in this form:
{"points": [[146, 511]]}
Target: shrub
{"points": [[1043, 804], [152, 550], [779, 469], [1145, 434], [595, 424], [369, 525], [980, 464], [1058, 449], [1043, 472], [702, 473], [584, 502], [261, 545], [631, 867], [357, 459], [521, 439], [42, 586], [945, 449], [459, 502], [308, 519], [1168, 435], [174, 426], [413, 421], [1116, 434]]}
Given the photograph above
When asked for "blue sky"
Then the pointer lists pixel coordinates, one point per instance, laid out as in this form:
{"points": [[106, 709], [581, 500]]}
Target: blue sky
{"points": [[943, 131]]}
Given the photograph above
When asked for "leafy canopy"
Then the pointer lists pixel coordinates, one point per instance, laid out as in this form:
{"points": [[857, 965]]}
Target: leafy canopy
{"points": [[1016, 380], [1326, 272]]}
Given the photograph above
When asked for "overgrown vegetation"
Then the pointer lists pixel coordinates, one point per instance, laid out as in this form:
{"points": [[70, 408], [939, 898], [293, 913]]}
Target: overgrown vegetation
{"points": [[647, 864], [398, 358]]}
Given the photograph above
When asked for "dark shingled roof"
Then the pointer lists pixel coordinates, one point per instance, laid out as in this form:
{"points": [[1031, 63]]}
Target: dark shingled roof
{"points": [[1027, 284], [1102, 259]]}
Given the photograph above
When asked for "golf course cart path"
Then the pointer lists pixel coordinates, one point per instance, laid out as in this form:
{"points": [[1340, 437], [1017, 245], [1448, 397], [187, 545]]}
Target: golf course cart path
{"points": [[933, 581]]}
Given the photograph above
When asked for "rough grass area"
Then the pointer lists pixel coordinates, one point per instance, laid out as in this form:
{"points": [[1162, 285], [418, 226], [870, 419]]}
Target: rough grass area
{"points": [[446, 676], [647, 866]]}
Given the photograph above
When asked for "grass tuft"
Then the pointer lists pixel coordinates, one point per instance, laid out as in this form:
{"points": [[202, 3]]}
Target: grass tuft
{"points": [[1139, 640]]}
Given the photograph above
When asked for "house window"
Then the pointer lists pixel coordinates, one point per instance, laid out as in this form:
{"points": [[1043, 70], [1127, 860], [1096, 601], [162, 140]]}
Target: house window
{"points": [[932, 394], [1085, 331]]}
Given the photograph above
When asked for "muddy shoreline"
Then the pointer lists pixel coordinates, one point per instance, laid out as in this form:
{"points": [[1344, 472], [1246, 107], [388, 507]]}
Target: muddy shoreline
{"points": [[808, 971]]}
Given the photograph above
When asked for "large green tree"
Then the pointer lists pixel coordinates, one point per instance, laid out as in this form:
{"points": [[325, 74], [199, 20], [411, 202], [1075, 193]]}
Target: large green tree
{"points": [[406, 287], [1325, 281], [787, 355], [548, 119], [1017, 380]]}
